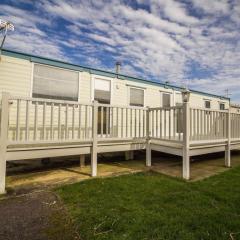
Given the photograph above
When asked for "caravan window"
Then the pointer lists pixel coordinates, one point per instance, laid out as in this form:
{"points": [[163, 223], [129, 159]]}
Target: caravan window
{"points": [[221, 106], [207, 104], [102, 91], [55, 83], [136, 97], [166, 102]]}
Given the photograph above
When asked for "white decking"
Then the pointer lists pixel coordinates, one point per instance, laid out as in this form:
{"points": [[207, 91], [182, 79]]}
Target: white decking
{"points": [[36, 128]]}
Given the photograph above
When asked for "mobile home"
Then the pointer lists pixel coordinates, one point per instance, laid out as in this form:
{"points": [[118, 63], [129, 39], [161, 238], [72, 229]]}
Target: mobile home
{"points": [[53, 108]]}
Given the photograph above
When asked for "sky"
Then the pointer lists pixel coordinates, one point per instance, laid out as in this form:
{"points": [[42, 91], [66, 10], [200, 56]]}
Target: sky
{"points": [[188, 43]]}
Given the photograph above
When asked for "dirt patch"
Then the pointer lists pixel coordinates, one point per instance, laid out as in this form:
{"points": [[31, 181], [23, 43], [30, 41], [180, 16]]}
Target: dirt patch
{"points": [[35, 216]]}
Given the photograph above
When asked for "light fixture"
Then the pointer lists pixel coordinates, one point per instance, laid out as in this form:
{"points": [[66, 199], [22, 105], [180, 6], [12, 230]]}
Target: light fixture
{"points": [[185, 95]]}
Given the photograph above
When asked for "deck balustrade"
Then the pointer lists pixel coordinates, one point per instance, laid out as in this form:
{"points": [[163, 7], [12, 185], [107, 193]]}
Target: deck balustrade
{"points": [[33, 128]]}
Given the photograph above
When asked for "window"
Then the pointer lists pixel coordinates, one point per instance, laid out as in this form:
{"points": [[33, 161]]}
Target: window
{"points": [[179, 116], [102, 94], [178, 99], [166, 100], [136, 97], [55, 83], [102, 91], [221, 106], [207, 104]]}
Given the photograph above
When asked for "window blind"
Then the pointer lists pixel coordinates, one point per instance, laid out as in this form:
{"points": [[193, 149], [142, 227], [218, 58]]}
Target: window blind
{"points": [[136, 97], [55, 83]]}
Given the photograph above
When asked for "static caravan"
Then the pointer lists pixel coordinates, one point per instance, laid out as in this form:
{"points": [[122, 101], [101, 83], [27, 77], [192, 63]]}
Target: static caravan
{"points": [[51, 108], [30, 76]]}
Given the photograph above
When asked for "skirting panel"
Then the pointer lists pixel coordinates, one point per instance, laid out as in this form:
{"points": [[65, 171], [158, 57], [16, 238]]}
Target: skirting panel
{"points": [[44, 153], [165, 149]]}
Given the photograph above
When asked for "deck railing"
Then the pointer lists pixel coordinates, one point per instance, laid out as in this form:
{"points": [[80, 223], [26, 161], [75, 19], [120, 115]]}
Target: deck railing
{"points": [[121, 122], [166, 123], [206, 124], [39, 120], [33, 119], [235, 125]]}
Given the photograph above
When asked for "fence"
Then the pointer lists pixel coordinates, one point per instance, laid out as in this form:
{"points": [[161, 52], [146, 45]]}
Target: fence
{"points": [[39, 120], [166, 123]]}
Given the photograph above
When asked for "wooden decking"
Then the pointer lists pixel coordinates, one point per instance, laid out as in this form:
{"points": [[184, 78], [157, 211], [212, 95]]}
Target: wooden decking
{"points": [[36, 128]]}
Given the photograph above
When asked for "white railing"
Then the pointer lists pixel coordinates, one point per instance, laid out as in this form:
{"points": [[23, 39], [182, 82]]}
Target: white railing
{"points": [[235, 125], [206, 124], [39, 120], [48, 120], [121, 122], [166, 123]]}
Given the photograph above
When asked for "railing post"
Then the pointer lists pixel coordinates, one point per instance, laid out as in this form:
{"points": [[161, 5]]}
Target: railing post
{"points": [[3, 139], [228, 145], [94, 138], [148, 140], [186, 135]]}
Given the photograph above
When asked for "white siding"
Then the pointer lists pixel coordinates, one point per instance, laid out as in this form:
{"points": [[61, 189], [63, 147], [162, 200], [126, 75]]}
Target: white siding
{"points": [[16, 77]]}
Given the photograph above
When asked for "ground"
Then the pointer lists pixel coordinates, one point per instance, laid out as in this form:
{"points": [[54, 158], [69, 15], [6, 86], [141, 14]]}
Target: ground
{"points": [[152, 206], [26, 175], [139, 205], [36, 216]]}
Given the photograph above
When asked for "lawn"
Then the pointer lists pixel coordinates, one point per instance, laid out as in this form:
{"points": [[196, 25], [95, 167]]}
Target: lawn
{"points": [[153, 206]]}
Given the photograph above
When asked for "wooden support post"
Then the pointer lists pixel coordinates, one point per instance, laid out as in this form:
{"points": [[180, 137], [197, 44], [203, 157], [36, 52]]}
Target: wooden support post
{"points": [[228, 145], [148, 143], [3, 139], [129, 155], [186, 134], [94, 139], [82, 160]]}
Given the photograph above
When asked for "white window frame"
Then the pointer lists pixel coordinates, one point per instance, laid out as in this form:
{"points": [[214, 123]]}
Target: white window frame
{"points": [[204, 103], [174, 98], [219, 103], [161, 97], [93, 77], [32, 76], [139, 88]]}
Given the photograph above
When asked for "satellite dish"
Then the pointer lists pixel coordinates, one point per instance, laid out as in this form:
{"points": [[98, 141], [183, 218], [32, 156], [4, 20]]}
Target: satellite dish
{"points": [[5, 26]]}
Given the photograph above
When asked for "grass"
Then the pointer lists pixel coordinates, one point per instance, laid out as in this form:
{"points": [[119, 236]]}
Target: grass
{"points": [[152, 206]]}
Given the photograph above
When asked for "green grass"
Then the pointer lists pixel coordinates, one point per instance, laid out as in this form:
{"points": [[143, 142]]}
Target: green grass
{"points": [[152, 206]]}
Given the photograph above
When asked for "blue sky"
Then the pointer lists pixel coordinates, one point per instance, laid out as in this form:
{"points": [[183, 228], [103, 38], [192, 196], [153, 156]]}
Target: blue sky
{"points": [[192, 43]]}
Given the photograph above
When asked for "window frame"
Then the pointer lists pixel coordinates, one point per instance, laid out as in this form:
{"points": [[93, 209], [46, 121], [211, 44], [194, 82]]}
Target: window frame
{"points": [[93, 77], [170, 96], [207, 100], [129, 97], [50, 66], [223, 104]]}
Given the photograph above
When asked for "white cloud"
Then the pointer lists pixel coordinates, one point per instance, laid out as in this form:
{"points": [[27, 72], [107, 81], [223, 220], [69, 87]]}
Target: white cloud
{"points": [[213, 6]]}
